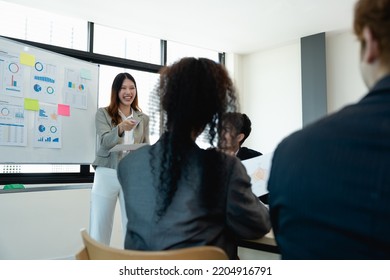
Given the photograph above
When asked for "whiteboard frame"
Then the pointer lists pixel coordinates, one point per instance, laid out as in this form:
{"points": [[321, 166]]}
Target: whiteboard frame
{"points": [[78, 130]]}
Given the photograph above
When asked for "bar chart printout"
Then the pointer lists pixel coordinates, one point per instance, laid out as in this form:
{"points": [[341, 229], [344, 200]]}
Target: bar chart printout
{"points": [[12, 122]]}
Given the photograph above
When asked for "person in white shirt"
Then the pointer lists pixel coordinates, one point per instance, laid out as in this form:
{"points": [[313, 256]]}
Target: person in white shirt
{"points": [[122, 122]]}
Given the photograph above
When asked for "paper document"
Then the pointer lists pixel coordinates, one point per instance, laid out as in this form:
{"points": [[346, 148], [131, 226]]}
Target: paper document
{"points": [[126, 147], [258, 169]]}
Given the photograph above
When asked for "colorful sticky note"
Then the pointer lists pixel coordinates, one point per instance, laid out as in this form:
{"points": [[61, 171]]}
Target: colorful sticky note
{"points": [[63, 110], [27, 59], [85, 74], [31, 104]]}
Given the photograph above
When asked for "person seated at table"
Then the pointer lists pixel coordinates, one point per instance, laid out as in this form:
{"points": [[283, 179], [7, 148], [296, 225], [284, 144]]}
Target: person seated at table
{"points": [[236, 128], [178, 195]]}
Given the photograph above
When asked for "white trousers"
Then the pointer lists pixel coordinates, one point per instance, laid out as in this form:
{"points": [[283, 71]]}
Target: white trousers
{"points": [[106, 190]]}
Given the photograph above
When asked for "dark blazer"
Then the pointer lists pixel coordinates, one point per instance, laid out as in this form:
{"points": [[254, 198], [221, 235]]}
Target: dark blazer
{"points": [[246, 153], [194, 217], [329, 185]]}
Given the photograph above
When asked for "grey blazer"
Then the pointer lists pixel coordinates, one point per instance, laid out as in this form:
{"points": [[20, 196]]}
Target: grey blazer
{"points": [[214, 217], [108, 137]]}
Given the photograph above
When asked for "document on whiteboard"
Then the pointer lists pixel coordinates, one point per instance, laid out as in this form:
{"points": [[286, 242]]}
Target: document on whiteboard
{"points": [[126, 147], [258, 169]]}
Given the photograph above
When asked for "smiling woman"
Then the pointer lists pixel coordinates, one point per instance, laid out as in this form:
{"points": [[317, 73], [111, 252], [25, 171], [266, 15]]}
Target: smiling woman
{"points": [[121, 122]]}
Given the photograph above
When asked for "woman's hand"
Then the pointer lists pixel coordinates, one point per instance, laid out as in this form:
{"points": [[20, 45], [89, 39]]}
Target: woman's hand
{"points": [[126, 125]]}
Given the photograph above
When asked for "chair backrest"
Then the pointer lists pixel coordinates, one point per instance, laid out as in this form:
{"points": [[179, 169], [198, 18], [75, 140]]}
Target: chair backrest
{"points": [[97, 251]]}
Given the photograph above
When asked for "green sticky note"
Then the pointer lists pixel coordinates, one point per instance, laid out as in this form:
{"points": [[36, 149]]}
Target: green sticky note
{"points": [[31, 104], [13, 186]]}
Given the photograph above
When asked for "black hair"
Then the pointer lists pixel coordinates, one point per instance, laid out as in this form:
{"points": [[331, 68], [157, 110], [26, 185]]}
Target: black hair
{"points": [[240, 124], [194, 94]]}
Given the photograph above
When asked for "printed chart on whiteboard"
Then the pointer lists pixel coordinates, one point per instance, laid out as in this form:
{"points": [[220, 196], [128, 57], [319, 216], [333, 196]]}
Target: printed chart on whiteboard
{"points": [[48, 103]]}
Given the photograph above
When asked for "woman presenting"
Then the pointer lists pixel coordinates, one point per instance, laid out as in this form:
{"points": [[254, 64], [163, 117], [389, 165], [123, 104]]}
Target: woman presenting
{"points": [[122, 122]]}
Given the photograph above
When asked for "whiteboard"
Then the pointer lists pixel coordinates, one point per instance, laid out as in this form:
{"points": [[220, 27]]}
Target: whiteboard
{"points": [[48, 103]]}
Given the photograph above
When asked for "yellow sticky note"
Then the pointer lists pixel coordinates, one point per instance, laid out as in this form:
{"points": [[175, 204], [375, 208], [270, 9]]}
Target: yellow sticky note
{"points": [[27, 59], [31, 104]]}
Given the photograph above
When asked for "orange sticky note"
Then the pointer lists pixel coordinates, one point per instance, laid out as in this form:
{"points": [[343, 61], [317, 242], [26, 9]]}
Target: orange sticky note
{"points": [[63, 110], [31, 104], [27, 59]]}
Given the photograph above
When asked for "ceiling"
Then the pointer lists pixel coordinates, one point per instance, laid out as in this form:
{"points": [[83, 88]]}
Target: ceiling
{"points": [[231, 26]]}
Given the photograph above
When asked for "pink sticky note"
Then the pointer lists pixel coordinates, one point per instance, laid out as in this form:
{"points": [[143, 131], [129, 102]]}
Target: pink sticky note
{"points": [[63, 110]]}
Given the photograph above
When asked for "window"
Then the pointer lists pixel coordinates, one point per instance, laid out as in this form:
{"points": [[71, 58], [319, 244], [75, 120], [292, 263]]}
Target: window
{"points": [[128, 45], [35, 25], [175, 51]]}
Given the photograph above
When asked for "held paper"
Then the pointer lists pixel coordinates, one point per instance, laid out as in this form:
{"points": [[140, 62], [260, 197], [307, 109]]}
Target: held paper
{"points": [[126, 147], [258, 169]]}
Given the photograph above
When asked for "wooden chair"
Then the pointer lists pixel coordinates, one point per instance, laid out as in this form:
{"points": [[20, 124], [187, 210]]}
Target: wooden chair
{"points": [[94, 250]]}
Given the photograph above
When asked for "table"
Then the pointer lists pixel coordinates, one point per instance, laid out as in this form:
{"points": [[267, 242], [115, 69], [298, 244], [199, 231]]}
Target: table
{"points": [[266, 243]]}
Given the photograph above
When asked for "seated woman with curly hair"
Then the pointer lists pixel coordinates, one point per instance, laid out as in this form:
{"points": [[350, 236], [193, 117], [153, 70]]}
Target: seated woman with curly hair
{"points": [[178, 195]]}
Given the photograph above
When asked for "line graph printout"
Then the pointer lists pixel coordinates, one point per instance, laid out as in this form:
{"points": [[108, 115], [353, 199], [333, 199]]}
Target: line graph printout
{"points": [[13, 128]]}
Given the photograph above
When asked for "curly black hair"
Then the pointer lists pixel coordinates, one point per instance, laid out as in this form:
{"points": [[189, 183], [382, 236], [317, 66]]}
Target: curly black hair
{"points": [[194, 95]]}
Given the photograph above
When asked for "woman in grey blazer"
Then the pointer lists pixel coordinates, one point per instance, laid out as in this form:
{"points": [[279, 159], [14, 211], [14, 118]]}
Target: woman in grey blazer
{"points": [[122, 122], [177, 194]]}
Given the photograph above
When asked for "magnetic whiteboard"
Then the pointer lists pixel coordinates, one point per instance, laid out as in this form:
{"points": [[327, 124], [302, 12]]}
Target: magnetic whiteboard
{"points": [[48, 103]]}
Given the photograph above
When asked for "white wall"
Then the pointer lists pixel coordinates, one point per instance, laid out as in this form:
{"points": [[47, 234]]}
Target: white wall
{"points": [[270, 94], [233, 63], [344, 82], [46, 224], [269, 84]]}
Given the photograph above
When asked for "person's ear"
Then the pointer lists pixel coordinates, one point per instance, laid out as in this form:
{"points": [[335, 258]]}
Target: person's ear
{"points": [[371, 46], [240, 137]]}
